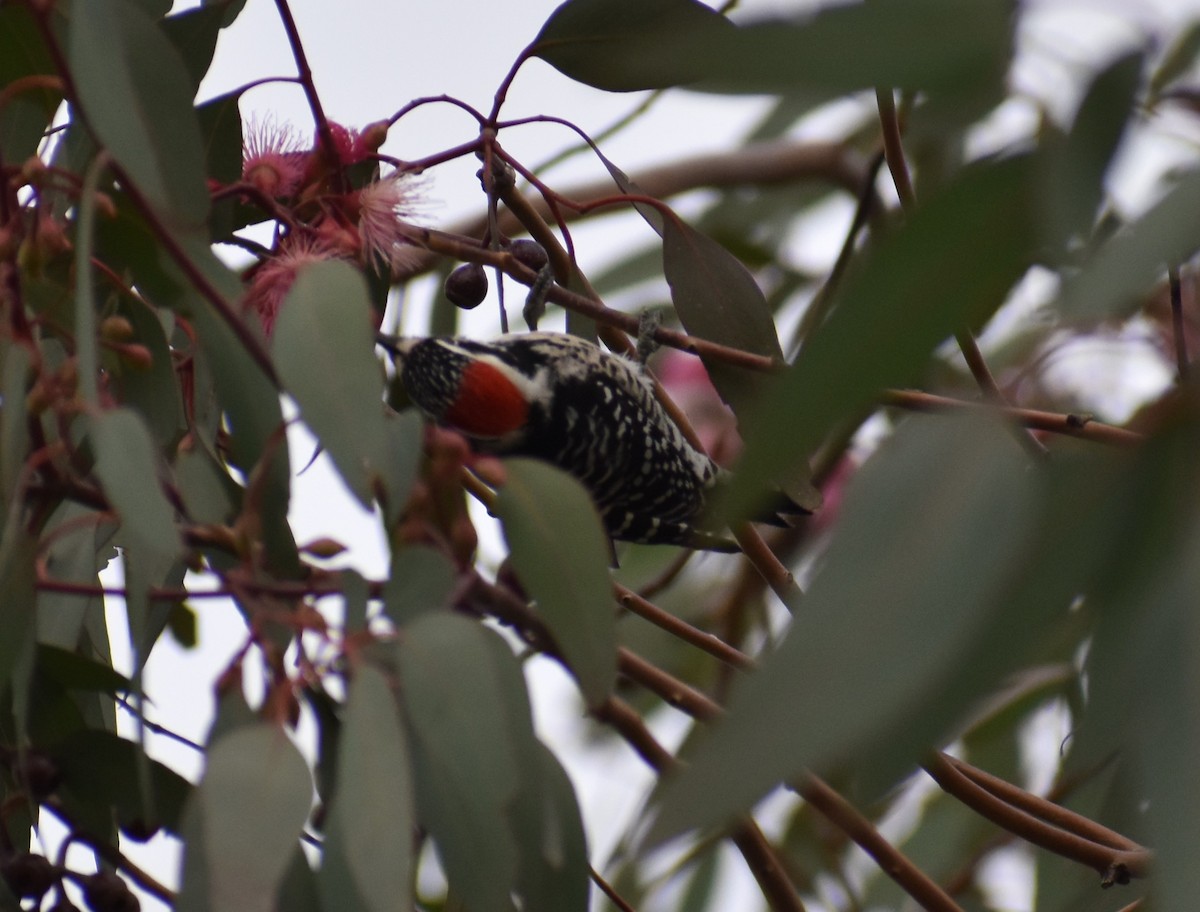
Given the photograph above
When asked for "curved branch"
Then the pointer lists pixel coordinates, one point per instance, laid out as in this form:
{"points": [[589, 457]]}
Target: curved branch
{"points": [[760, 164], [1115, 865], [891, 860]]}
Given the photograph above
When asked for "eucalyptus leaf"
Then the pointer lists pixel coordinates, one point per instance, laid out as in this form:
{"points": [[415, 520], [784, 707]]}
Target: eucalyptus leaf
{"points": [[372, 819], [421, 580], [717, 299], [137, 95], [554, 871], [15, 363], [459, 683], [1076, 167], [253, 801], [194, 34], [129, 470], [559, 551], [950, 266], [617, 45], [25, 116], [151, 389], [939, 546], [1113, 281], [323, 347]]}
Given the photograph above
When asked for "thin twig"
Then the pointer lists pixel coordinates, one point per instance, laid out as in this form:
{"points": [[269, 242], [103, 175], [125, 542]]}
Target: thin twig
{"points": [[113, 856], [893, 148], [681, 629], [777, 576], [758, 165], [1181, 352], [867, 204], [607, 889], [1046, 810], [666, 686], [305, 75], [758, 852], [1081, 426], [891, 860], [1114, 865]]}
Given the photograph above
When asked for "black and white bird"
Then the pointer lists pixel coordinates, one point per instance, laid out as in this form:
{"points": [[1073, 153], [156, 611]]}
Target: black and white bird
{"points": [[594, 414]]}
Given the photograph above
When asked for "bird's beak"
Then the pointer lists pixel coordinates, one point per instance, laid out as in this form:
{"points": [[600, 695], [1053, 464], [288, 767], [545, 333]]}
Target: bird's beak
{"points": [[396, 346]]}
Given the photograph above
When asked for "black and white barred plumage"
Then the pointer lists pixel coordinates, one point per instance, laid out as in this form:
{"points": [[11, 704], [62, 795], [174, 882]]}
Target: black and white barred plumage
{"points": [[593, 414]]}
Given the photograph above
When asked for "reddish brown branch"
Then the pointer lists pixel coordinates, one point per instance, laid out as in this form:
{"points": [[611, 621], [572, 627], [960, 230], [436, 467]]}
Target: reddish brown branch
{"points": [[1113, 864], [1046, 810], [305, 75], [1079, 426], [893, 148], [891, 860], [763, 164], [607, 889], [758, 852], [1182, 362], [701, 639]]}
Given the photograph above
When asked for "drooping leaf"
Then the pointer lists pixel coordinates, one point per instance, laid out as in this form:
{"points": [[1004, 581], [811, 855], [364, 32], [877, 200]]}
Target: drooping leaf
{"points": [[298, 891], [459, 683], [717, 299], [249, 403], [323, 347], [617, 45], [553, 872], [99, 782], [1179, 57], [421, 580], [221, 128], [194, 33], [939, 545], [1165, 729], [559, 551], [137, 95], [371, 823], [25, 116], [253, 801], [399, 462], [18, 579], [128, 467], [1121, 270], [1075, 169], [958, 54], [950, 266], [76, 672], [207, 491], [152, 390], [15, 363]]}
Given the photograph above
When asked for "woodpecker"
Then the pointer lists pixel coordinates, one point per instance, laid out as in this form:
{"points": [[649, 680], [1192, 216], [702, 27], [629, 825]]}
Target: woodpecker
{"points": [[561, 399]]}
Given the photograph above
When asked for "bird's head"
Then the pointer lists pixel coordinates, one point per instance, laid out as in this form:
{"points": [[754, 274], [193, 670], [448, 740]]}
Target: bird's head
{"points": [[464, 385]]}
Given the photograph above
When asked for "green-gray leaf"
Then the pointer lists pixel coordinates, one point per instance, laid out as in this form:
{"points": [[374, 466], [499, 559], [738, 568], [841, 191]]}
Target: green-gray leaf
{"points": [[372, 820], [717, 299], [559, 551], [951, 266], [617, 45], [128, 467], [930, 530], [137, 95], [461, 688], [323, 347], [254, 799]]}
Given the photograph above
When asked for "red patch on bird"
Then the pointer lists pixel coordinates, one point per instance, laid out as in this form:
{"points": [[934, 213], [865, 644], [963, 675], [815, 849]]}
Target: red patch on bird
{"points": [[488, 403]]}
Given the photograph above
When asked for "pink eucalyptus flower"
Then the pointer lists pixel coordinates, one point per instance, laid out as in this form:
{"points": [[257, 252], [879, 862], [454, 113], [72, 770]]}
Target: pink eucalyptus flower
{"points": [[273, 278], [384, 207], [273, 160]]}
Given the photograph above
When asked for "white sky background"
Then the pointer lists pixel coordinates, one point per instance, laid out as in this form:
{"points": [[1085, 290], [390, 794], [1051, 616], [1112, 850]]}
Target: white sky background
{"points": [[369, 58]]}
